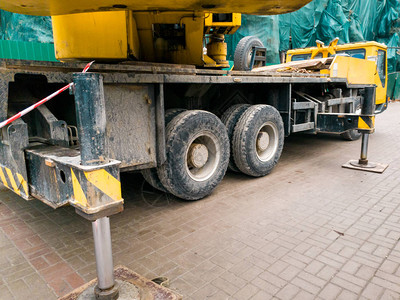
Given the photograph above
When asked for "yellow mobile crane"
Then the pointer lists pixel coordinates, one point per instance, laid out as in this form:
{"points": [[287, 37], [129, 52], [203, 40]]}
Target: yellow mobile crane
{"points": [[156, 100]]}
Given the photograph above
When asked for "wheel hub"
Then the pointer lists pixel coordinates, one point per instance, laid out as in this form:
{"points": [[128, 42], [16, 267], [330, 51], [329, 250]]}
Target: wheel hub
{"points": [[267, 141], [198, 155], [262, 141]]}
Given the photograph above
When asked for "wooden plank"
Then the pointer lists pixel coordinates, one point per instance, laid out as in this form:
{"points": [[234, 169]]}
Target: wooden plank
{"points": [[274, 74], [211, 72], [311, 64]]}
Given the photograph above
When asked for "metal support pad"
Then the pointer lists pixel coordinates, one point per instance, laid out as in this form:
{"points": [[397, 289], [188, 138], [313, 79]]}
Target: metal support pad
{"points": [[370, 167], [363, 164], [133, 286]]}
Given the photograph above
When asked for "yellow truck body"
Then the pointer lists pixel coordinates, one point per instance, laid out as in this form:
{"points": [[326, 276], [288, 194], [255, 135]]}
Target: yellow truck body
{"points": [[174, 37]]}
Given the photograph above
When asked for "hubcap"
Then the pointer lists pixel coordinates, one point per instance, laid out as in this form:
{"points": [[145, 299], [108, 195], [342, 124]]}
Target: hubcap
{"points": [[202, 156], [267, 141], [262, 141], [198, 155]]}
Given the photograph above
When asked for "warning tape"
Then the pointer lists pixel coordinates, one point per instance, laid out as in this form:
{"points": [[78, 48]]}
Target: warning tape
{"points": [[37, 104]]}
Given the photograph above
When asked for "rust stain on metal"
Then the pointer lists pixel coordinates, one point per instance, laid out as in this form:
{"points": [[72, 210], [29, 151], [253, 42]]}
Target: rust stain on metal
{"points": [[147, 99]]}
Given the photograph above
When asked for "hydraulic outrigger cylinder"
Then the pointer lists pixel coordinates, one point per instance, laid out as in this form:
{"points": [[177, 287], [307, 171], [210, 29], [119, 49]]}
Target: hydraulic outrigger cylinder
{"points": [[366, 127]]}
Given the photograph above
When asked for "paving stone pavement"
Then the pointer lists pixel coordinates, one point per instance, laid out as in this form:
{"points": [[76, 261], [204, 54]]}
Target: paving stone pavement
{"points": [[309, 230]]}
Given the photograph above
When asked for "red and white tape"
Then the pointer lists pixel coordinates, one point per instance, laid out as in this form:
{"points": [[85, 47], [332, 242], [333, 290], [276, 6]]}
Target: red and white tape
{"points": [[32, 107]]}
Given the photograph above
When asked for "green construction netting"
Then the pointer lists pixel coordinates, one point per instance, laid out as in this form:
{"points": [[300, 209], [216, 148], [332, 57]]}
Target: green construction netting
{"points": [[324, 20], [257, 26], [23, 28]]}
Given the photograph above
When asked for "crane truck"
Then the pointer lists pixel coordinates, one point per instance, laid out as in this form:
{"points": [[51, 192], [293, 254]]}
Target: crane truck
{"points": [[158, 100]]}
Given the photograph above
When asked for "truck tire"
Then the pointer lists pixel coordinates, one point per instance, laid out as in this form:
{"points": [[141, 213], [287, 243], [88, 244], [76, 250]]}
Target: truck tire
{"points": [[150, 175], [197, 147], [172, 113], [258, 140], [230, 118], [243, 52], [351, 135]]}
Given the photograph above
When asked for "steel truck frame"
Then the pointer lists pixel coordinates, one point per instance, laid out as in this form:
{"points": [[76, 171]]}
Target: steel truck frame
{"points": [[71, 150]]}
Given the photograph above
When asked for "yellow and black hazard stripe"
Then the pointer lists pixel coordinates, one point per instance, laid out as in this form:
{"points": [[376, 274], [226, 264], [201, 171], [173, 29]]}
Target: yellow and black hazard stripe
{"points": [[89, 185], [14, 181], [366, 122]]}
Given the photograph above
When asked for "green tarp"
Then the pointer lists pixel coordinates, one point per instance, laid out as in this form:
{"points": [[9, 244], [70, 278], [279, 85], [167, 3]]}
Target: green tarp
{"points": [[325, 20], [257, 26], [23, 28], [393, 88]]}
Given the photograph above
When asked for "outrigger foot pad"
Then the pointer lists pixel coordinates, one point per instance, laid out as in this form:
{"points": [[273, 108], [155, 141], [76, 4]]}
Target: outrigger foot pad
{"points": [[368, 166]]}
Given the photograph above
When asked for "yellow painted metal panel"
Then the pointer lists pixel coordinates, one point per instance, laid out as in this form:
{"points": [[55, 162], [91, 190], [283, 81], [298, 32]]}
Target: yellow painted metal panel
{"points": [[133, 37], [366, 122], [362, 124], [106, 183], [23, 183], [87, 36], [236, 21], [12, 181], [381, 93], [79, 196], [3, 178], [357, 71], [57, 7]]}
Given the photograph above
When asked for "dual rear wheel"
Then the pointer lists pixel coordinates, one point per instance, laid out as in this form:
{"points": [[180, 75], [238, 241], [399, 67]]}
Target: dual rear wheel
{"points": [[200, 146], [257, 140]]}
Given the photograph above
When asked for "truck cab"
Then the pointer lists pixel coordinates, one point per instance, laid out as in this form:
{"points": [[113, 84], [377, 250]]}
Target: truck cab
{"points": [[369, 51]]}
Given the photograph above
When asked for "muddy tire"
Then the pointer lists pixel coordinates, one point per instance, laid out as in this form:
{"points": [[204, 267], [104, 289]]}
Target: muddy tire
{"points": [[243, 52], [258, 140], [197, 148], [150, 175], [172, 113], [351, 135], [230, 118]]}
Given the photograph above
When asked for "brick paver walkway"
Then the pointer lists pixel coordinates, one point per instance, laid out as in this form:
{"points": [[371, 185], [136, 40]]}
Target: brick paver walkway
{"points": [[308, 230]]}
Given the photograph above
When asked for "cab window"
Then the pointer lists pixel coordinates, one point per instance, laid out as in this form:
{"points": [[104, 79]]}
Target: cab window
{"points": [[355, 53], [298, 57], [381, 66]]}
